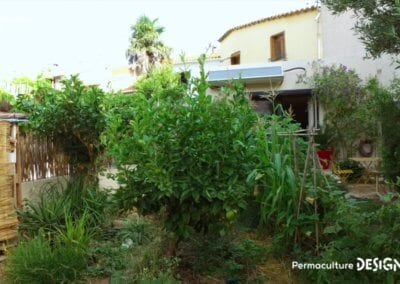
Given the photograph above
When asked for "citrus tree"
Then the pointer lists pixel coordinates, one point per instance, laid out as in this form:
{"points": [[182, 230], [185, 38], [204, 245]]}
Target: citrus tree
{"points": [[182, 153]]}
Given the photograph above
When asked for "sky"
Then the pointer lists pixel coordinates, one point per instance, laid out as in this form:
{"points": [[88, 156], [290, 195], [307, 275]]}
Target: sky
{"points": [[88, 35]]}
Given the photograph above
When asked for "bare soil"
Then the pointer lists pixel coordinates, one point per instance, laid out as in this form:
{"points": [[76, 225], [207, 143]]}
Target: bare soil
{"points": [[367, 191]]}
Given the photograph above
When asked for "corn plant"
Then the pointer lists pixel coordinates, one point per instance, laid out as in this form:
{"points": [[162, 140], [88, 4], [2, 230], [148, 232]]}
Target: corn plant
{"points": [[274, 178]]}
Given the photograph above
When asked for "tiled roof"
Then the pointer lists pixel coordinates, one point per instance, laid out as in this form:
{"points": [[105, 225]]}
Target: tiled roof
{"points": [[291, 13]]}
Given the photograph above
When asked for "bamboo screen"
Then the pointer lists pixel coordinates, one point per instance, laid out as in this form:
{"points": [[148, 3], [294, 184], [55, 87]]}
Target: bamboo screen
{"points": [[8, 216], [41, 158]]}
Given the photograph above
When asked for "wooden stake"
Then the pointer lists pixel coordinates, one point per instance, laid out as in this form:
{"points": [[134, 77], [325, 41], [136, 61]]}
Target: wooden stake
{"points": [[18, 170]]}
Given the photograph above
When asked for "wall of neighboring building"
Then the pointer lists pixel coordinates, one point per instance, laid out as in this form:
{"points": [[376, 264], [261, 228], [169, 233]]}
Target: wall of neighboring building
{"points": [[193, 65], [253, 41], [342, 45]]}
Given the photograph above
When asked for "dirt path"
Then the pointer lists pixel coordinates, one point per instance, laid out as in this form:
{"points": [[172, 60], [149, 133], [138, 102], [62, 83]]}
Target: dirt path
{"points": [[366, 191]]}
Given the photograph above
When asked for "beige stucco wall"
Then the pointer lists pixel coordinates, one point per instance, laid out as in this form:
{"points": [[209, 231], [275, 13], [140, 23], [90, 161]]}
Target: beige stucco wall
{"points": [[254, 41], [31, 189]]}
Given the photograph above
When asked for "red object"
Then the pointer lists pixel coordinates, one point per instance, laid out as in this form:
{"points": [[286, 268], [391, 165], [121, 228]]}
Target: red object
{"points": [[325, 158]]}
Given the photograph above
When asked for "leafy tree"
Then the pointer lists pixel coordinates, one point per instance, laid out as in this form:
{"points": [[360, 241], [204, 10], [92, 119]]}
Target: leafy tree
{"points": [[71, 116], [378, 23], [6, 101], [186, 154], [146, 48], [341, 93], [384, 108]]}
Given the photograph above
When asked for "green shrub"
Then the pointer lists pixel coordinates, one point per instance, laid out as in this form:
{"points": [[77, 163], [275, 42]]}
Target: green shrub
{"points": [[156, 269], [135, 232], [162, 82], [385, 108], [340, 92], [222, 257], [7, 101], [149, 262], [187, 154], [106, 259], [71, 116], [352, 229]]}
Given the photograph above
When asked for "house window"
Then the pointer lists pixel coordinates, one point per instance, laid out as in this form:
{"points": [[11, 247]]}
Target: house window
{"points": [[235, 58], [278, 47]]}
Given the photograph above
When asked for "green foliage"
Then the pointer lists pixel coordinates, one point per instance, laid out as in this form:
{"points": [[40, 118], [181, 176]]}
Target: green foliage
{"points": [[187, 154], [48, 213], [378, 23], [324, 137], [60, 260], [276, 183], [76, 233], [87, 197], [341, 94], [148, 262], [145, 41], [7, 101], [71, 116], [106, 258], [155, 269], [135, 232], [160, 81], [231, 259], [357, 229], [385, 108]]}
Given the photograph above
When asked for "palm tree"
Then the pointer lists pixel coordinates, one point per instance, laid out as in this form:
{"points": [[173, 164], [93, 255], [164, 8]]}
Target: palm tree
{"points": [[146, 49]]}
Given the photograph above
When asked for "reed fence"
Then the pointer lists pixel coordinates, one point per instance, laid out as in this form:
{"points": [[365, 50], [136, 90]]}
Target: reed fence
{"points": [[8, 216], [41, 158]]}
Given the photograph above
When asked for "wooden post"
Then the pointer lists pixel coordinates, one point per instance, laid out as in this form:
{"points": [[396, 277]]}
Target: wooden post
{"points": [[18, 169]]}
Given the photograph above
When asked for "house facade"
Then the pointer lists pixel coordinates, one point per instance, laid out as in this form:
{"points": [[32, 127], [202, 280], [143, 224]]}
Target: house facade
{"points": [[269, 54]]}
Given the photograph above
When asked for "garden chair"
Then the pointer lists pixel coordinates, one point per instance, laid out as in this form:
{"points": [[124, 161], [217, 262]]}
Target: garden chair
{"points": [[343, 174]]}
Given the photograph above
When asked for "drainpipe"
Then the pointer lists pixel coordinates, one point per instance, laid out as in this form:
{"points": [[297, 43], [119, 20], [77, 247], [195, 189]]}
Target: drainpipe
{"points": [[317, 113]]}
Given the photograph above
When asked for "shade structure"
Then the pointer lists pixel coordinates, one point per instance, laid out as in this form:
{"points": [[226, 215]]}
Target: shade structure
{"points": [[264, 74]]}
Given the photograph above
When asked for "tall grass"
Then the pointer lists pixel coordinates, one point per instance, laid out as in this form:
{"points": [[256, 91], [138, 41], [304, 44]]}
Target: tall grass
{"points": [[61, 259], [48, 213]]}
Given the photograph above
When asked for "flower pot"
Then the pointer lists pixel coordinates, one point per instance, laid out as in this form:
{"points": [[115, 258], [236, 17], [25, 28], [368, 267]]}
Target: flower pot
{"points": [[325, 158]]}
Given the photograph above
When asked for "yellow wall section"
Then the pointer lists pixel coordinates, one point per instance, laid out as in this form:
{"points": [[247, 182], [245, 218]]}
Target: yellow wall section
{"points": [[253, 42]]}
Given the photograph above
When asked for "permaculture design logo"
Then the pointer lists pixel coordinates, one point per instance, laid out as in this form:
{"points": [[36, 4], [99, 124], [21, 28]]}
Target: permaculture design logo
{"points": [[369, 264]]}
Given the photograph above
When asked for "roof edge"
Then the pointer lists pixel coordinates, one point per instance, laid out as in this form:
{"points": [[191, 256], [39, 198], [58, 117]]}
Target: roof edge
{"points": [[283, 15]]}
